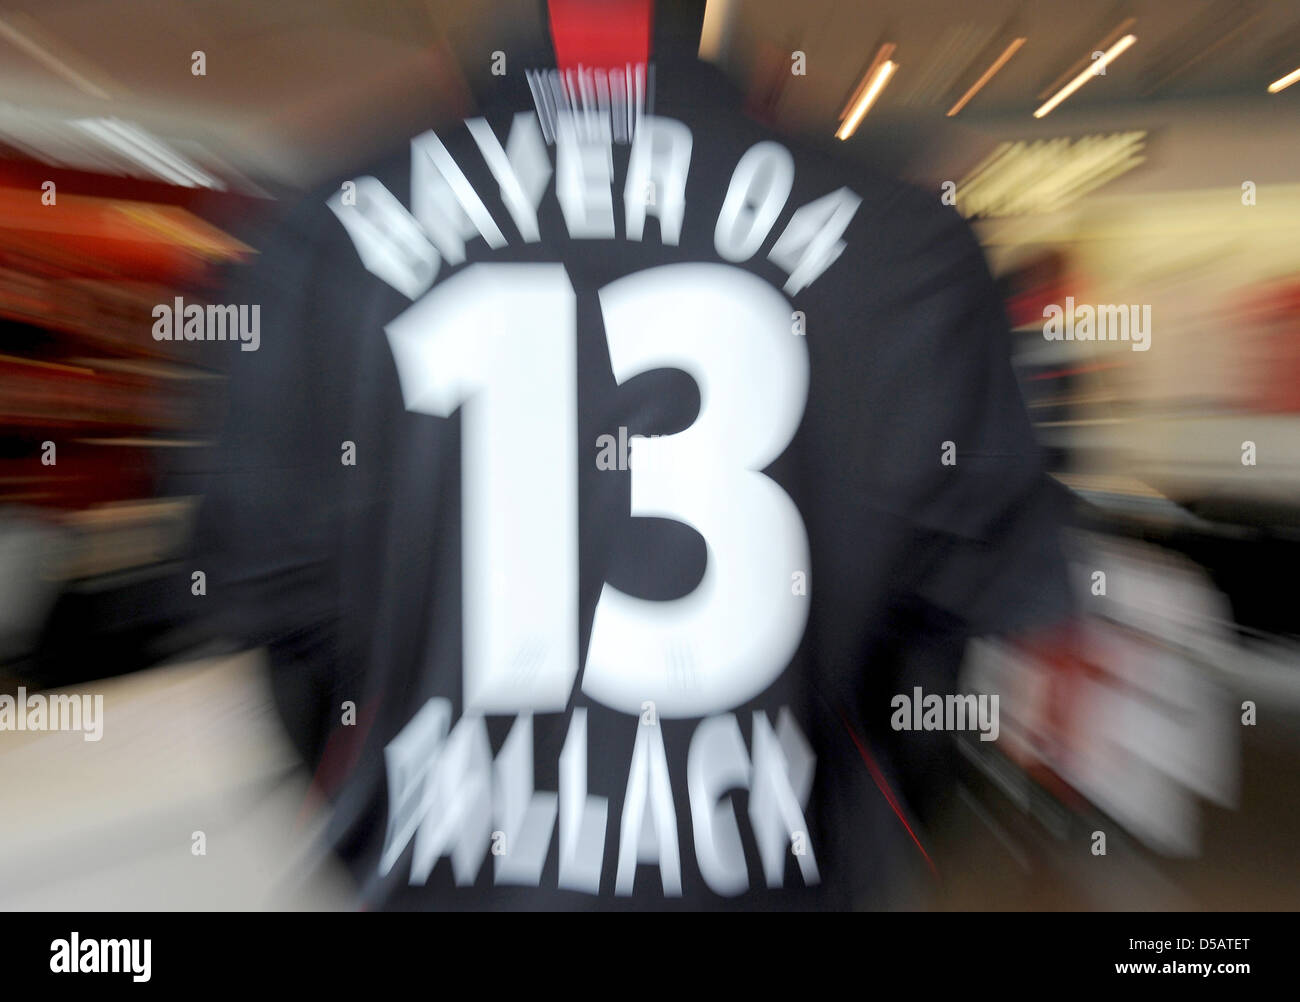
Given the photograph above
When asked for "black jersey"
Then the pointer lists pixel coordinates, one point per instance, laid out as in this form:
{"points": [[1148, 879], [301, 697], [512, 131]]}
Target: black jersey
{"points": [[605, 469]]}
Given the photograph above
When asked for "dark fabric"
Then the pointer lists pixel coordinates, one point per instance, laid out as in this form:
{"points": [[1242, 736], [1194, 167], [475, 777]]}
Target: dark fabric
{"points": [[352, 574]]}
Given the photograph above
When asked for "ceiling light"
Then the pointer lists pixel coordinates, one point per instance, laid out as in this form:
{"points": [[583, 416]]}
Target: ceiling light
{"points": [[1094, 70], [1285, 82], [872, 84], [987, 76]]}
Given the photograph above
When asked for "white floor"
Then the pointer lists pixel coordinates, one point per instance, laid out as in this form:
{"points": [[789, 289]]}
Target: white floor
{"points": [[111, 824]]}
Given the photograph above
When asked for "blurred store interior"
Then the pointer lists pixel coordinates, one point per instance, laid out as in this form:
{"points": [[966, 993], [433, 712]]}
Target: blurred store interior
{"points": [[1171, 180]]}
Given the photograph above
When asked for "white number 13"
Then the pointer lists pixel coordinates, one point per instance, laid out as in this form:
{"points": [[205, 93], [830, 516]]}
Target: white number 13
{"points": [[499, 342]]}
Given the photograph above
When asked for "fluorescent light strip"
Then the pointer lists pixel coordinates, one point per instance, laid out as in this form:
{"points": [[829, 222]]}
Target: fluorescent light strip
{"points": [[987, 76], [883, 73], [883, 53], [152, 147], [1285, 82], [143, 151], [97, 129], [1103, 43], [1086, 75]]}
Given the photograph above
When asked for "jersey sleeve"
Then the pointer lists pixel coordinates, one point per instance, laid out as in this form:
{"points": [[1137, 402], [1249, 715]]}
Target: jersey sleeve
{"points": [[971, 484], [270, 518]]}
